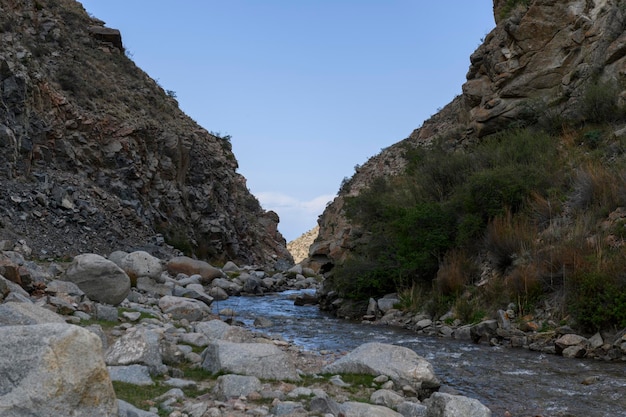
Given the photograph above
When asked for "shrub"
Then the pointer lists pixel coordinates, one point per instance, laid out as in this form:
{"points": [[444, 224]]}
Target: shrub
{"points": [[596, 298], [456, 271], [413, 298], [468, 310], [421, 235], [599, 103], [359, 279], [524, 284], [508, 238], [597, 185], [490, 192], [511, 5]]}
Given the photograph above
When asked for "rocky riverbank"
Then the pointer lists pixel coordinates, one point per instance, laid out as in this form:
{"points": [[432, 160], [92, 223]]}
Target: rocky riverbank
{"points": [[536, 332], [109, 335]]}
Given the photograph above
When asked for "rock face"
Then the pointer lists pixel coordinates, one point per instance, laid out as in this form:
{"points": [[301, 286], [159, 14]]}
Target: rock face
{"points": [[540, 57], [57, 371], [299, 248], [96, 156]]}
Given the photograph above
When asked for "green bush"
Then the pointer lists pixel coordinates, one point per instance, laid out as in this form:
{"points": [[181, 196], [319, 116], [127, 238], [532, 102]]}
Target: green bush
{"points": [[420, 236], [597, 300], [360, 279]]}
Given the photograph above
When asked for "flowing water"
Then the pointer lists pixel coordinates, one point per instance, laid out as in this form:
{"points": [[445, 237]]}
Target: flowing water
{"points": [[516, 380]]}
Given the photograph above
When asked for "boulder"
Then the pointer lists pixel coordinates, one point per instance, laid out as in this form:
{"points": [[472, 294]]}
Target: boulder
{"points": [[357, 409], [263, 360], [184, 308], [99, 278], [13, 314], [150, 286], [231, 288], [306, 299], [401, 364], [234, 386], [218, 330], [322, 404], [253, 285], [55, 369], [129, 410], [195, 291], [484, 331], [569, 341], [230, 266], [387, 303], [66, 290], [131, 374], [411, 409], [188, 266], [138, 346], [448, 405], [387, 398], [8, 286], [141, 264], [218, 294]]}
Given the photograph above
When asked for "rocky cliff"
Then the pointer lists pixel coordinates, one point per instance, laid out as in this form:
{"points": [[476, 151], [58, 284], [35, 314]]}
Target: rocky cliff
{"points": [[96, 156], [533, 67], [299, 248]]}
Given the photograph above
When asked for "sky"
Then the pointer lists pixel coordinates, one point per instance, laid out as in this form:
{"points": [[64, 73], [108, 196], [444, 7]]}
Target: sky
{"points": [[307, 89]]}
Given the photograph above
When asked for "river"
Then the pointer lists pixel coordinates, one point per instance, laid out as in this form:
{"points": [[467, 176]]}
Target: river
{"points": [[516, 380]]}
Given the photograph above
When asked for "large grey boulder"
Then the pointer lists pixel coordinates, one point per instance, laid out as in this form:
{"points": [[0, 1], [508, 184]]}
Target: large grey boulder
{"points": [[357, 409], [263, 360], [219, 330], [234, 386], [448, 405], [402, 365], [101, 279], [411, 409], [141, 264], [53, 369], [138, 346], [131, 374], [387, 398], [184, 308], [14, 314]]}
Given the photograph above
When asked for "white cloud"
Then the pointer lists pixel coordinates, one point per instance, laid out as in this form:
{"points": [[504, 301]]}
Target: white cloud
{"points": [[296, 216]]}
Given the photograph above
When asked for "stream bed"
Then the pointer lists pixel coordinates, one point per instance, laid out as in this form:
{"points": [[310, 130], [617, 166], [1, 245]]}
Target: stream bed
{"points": [[522, 382]]}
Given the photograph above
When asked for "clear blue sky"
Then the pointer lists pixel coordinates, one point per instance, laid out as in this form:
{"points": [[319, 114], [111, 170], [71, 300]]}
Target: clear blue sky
{"points": [[306, 88]]}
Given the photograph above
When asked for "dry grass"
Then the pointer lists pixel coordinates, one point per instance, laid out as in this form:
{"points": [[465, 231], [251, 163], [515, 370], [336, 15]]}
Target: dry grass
{"points": [[509, 238], [456, 271]]}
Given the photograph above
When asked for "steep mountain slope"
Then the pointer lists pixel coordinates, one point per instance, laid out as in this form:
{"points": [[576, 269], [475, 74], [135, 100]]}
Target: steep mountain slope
{"points": [[534, 67], [96, 156], [299, 247]]}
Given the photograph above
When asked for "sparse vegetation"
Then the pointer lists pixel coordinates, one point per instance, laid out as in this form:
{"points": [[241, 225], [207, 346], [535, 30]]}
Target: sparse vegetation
{"points": [[511, 5], [531, 202]]}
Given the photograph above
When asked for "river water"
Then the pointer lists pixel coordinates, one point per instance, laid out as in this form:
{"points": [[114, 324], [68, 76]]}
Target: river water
{"points": [[516, 380]]}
